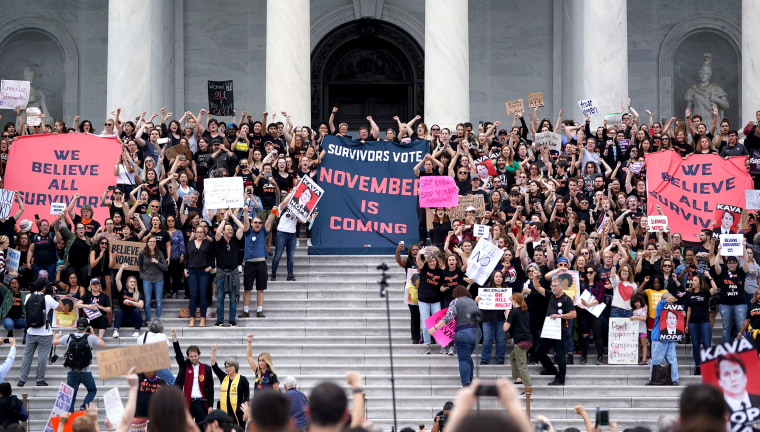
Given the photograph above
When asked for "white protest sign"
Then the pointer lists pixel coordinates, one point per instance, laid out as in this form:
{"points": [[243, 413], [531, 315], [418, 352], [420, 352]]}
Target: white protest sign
{"points": [[656, 223], [114, 407], [57, 208], [596, 309], [479, 230], [14, 94], [731, 245], [613, 119], [222, 193], [623, 341], [495, 298], [6, 202], [11, 264], [552, 329], [753, 199], [305, 198], [62, 404], [483, 260], [589, 107], [550, 139], [33, 116]]}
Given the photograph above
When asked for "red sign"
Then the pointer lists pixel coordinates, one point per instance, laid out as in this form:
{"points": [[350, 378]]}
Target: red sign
{"points": [[49, 169], [689, 190]]}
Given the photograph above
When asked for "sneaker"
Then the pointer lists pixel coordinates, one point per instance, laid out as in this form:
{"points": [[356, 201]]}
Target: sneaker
{"points": [[273, 277], [233, 323], [583, 361], [291, 277], [44, 384], [136, 334], [427, 350], [451, 351], [20, 383], [115, 334], [260, 315], [245, 315], [308, 243], [599, 361], [218, 324], [298, 243], [570, 359]]}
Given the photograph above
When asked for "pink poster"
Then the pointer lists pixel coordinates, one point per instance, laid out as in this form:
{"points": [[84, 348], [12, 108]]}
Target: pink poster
{"points": [[445, 334], [438, 191]]}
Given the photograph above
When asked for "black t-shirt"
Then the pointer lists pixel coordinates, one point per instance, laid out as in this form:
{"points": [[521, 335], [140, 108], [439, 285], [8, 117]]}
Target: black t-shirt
{"points": [[203, 162], [430, 284], [90, 228], [731, 286], [561, 305], [16, 311], [227, 252], [682, 149], [100, 299], [699, 303], [450, 280], [267, 192], [45, 252], [519, 321], [79, 253], [285, 183], [753, 315], [124, 294], [162, 241], [145, 391], [7, 228]]}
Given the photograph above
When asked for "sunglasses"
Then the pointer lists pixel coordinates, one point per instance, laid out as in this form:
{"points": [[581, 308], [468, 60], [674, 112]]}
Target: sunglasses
{"points": [[109, 124], [434, 130], [591, 272]]}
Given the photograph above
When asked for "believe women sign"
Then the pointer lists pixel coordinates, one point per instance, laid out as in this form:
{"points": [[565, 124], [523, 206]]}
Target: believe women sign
{"points": [[48, 169], [689, 190], [370, 197]]}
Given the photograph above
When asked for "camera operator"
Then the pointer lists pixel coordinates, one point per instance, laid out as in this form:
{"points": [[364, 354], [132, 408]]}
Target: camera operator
{"points": [[441, 417]]}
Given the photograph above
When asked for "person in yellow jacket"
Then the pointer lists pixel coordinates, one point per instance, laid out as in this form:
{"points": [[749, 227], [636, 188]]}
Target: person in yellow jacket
{"points": [[234, 387]]}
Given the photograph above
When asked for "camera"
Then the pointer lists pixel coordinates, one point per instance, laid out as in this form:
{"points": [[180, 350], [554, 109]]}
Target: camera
{"points": [[442, 421], [602, 416], [539, 426], [6, 340], [487, 388]]}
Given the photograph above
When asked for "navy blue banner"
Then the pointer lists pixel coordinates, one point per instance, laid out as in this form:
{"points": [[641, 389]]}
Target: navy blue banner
{"points": [[370, 198]]}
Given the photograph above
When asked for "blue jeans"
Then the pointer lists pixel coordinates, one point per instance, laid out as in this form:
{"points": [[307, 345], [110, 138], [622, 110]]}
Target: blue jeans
{"points": [[284, 240], [732, 314], [426, 310], [49, 268], [135, 319], [491, 331], [568, 336], [700, 332], [616, 312], [466, 340], [220, 294], [149, 288], [74, 378], [198, 282], [9, 324], [664, 350], [166, 375]]}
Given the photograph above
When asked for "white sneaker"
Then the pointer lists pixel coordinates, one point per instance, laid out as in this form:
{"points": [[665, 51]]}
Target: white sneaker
{"points": [[308, 243], [136, 334], [115, 334], [298, 243], [451, 351]]}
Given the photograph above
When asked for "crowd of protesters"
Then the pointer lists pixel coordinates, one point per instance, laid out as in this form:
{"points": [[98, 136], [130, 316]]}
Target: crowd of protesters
{"points": [[581, 208]]}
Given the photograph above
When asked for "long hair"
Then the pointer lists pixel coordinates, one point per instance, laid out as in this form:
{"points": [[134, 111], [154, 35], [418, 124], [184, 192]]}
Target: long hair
{"points": [[146, 249], [268, 360], [167, 410], [519, 300], [461, 291]]}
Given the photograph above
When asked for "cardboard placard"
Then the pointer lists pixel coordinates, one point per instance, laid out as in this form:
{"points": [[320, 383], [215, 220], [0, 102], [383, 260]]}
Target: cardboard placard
{"points": [[570, 282], [438, 191], [672, 323], [495, 298], [731, 245], [536, 99], [224, 192], [458, 213], [6, 202], [623, 342], [657, 223], [515, 106], [733, 368], [14, 94], [221, 100], [596, 309], [305, 198], [549, 139], [118, 361], [445, 334], [483, 259], [552, 329], [752, 196], [126, 252]]}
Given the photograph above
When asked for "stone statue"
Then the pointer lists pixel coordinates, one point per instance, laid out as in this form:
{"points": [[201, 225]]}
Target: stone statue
{"points": [[36, 97], [701, 97]]}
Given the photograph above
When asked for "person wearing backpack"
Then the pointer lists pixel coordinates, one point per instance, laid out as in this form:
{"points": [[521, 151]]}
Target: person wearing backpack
{"points": [[78, 358], [39, 335]]}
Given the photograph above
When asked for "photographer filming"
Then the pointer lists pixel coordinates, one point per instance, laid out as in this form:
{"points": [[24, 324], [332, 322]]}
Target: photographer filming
{"points": [[78, 358], [441, 417]]}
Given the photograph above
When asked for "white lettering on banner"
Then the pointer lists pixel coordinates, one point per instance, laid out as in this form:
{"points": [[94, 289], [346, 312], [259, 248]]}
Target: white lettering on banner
{"points": [[374, 155], [656, 223], [731, 245], [483, 260], [14, 94], [225, 192], [623, 342], [495, 298]]}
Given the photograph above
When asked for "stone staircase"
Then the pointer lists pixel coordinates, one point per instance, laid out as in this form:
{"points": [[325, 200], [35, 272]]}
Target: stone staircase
{"points": [[332, 320]]}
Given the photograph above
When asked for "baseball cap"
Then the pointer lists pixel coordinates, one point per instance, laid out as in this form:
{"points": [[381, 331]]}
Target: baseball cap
{"points": [[469, 209], [562, 260], [474, 176], [94, 281], [217, 415], [503, 131], [82, 323]]}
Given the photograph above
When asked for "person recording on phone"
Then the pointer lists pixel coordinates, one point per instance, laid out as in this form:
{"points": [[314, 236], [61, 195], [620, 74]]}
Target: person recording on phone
{"points": [[465, 311]]}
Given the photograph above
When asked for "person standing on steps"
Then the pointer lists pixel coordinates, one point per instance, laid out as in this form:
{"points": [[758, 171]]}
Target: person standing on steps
{"points": [[465, 311], [39, 335], [262, 367], [560, 306], [234, 390], [78, 358], [195, 379], [255, 266], [518, 323], [285, 238], [227, 243]]}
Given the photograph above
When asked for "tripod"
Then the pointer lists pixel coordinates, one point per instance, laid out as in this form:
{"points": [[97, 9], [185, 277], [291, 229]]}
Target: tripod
{"points": [[383, 293]]}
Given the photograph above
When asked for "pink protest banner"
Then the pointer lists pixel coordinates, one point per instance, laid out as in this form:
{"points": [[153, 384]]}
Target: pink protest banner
{"points": [[445, 334], [689, 190], [438, 191], [48, 169]]}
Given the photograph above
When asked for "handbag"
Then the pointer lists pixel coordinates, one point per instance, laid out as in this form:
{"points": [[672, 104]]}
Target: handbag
{"points": [[185, 312], [525, 344], [661, 375]]}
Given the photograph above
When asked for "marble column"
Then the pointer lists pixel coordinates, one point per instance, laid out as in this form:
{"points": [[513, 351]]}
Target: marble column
{"points": [[447, 62], [750, 90], [595, 55], [141, 69], [288, 66]]}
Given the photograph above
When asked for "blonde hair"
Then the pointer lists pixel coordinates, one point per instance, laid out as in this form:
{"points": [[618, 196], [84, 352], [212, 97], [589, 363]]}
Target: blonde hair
{"points": [[137, 291], [268, 360], [4, 238], [83, 424]]}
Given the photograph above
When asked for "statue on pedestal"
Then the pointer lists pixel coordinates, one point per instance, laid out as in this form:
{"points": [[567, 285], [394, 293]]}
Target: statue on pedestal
{"points": [[701, 97], [36, 97]]}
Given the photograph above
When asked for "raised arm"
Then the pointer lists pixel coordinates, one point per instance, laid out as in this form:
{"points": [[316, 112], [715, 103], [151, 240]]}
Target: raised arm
{"points": [[331, 120]]}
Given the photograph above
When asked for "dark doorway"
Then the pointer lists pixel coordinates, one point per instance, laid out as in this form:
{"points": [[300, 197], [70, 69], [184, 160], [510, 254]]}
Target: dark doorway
{"points": [[367, 67]]}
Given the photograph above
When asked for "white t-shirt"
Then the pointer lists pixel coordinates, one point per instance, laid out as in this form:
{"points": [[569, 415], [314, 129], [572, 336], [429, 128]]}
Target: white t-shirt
{"points": [[153, 338], [50, 304], [287, 222]]}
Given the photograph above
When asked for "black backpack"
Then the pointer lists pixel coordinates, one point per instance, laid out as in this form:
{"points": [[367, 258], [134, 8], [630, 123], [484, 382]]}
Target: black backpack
{"points": [[35, 311], [78, 354]]}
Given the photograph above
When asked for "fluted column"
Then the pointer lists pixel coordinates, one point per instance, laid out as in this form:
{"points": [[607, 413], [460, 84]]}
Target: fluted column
{"points": [[750, 89]]}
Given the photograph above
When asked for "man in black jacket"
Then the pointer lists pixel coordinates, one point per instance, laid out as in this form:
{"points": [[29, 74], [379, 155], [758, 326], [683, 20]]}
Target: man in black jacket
{"points": [[195, 379]]}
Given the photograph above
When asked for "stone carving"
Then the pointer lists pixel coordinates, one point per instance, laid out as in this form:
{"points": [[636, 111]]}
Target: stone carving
{"points": [[36, 97], [702, 96]]}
